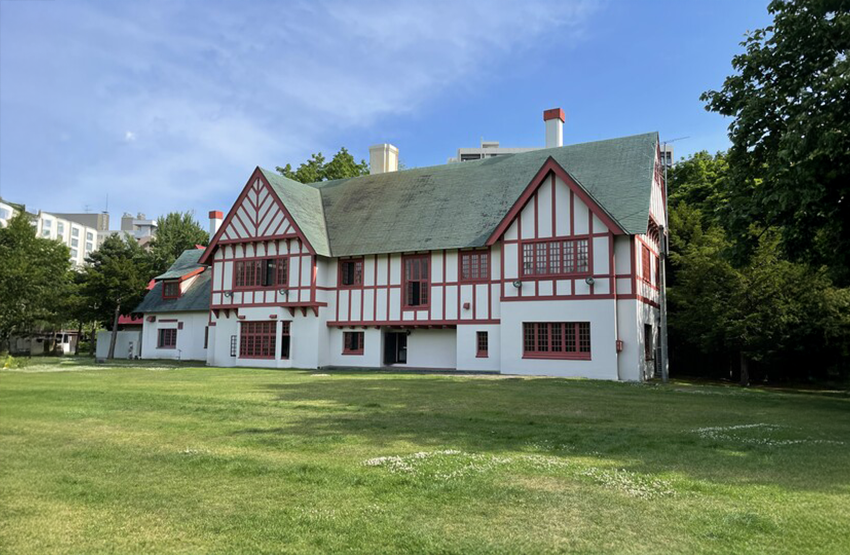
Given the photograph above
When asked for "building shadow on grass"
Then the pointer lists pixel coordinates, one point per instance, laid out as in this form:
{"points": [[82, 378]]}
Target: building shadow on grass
{"points": [[794, 442]]}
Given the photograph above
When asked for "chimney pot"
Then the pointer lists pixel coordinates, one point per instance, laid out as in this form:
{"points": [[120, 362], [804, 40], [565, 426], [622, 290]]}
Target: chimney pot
{"points": [[383, 158], [554, 120]]}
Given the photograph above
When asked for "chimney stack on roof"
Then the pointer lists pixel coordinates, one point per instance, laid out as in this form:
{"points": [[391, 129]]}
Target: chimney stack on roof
{"points": [[216, 216], [383, 158], [554, 119]]}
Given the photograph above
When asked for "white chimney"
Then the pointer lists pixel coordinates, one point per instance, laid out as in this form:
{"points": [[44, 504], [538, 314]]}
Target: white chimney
{"points": [[215, 222], [554, 119], [383, 158]]}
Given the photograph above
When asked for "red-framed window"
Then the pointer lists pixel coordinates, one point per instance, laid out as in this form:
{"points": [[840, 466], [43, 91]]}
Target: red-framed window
{"points": [[257, 339], [167, 338], [555, 258], [474, 265], [416, 280], [261, 272], [481, 344], [556, 340], [351, 273], [646, 257], [352, 342], [284, 340], [170, 289]]}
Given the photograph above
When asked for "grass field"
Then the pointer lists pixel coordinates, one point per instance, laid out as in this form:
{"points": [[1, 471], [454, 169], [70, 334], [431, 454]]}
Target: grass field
{"points": [[159, 459]]}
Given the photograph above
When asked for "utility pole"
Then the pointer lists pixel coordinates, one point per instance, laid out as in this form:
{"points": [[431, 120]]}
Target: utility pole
{"points": [[664, 250]]}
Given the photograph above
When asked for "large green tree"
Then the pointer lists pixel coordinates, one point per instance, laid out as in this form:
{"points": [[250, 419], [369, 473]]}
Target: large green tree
{"points": [[341, 166], [789, 165], [35, 280], [115, 280], [175, 233]]}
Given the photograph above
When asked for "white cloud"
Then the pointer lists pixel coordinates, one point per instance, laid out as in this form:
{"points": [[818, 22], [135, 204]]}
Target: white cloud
{"points": [[216, 89]]}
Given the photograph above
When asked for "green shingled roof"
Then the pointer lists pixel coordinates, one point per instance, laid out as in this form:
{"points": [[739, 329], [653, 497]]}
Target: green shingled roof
{"points": [[185, 263], [460, 205], [196, 298]]}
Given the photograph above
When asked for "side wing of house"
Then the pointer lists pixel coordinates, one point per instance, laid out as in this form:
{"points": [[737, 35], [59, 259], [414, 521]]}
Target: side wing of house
{"points": [[260, 256]]}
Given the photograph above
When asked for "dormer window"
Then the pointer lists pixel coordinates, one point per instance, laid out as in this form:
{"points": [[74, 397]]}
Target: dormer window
{"points": [[170, 289]]}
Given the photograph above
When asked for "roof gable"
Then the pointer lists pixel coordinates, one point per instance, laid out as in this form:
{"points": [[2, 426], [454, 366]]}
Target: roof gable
{"points": [[195, 298]]}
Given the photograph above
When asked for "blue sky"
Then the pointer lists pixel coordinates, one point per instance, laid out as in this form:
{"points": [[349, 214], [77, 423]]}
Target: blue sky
{"points": [[170, 105]]}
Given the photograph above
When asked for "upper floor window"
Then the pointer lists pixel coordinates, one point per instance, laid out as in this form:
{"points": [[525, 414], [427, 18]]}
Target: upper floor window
{"points": [[47, 224], [474, 265], [552, 258], [646, 258], [351, 272], [556, 340], [60, 228], [75, 232], [416, 280], [89, 236], [170, 289], [266, 272]]}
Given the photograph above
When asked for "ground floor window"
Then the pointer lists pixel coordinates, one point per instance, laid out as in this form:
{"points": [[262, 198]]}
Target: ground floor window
{"points": [[206, 337], [481, 342], [284, 341], [167, 339], [648, 348], [257, 339], [352, 342], [556, 340]]}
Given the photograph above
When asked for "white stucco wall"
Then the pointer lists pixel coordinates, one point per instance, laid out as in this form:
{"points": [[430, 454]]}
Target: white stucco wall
{"points": [[600, 314], [126, 344], [190, 339], [467, 348], [431, 349], [372, 356]]}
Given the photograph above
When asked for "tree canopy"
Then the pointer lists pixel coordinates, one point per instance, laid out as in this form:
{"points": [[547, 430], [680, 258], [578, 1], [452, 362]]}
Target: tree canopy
{"points": [[115, 280], [789, 165], [35, 279], [341, 166], [175, 233]]}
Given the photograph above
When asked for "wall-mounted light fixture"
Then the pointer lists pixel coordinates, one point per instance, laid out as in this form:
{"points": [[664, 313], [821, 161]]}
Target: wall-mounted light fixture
{"points": [[228, 294], [589, 280], [283, 291], [517, 283]]}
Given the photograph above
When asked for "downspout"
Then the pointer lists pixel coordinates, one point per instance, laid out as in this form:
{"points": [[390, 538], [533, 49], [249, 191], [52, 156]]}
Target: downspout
{"points": [[613, 267], [665, 366]]}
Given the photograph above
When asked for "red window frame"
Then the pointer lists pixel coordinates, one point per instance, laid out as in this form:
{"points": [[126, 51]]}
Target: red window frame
{"points": [[352, 342], [251, 273], [474, 266], [166, 338], [168, 289], [284, 341], [357, 273], [257, 339], [416, 269], [556, 340], [646, 270], [481, 344], [555, 257]]}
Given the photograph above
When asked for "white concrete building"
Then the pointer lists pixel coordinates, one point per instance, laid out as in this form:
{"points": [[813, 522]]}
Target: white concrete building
{"points": [[543, 262], [554, 120], [81, 240]]}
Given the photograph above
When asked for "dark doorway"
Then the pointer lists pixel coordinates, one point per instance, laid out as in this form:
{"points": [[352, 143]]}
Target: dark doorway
{"points": [[395, 348]]}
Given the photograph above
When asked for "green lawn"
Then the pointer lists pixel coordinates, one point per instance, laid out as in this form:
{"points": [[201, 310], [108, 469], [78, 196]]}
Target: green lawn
{"points": [[158, 459]]}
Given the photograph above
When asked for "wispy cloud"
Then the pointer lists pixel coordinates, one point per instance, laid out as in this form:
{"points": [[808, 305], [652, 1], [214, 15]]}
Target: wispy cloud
{"points": [[202, 92]]}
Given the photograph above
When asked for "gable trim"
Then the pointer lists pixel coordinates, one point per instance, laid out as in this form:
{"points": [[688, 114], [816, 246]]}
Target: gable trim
{"points": [[552, 167], [256, 174]]}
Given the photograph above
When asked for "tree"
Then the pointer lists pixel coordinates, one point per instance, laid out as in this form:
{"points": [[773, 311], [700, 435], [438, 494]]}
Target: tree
{"points": [[35, 278], [115, 278], [175, 233], [789, 165], [315, 170]]}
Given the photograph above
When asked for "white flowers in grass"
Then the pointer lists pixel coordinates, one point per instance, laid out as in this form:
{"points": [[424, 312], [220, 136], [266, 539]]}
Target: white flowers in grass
{"points": [[767, 438], [451, 464]]}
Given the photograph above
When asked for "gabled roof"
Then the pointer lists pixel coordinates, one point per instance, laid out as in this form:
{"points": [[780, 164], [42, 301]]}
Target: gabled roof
{"points": [[185, 264], [195, 298], [461, 205]]}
